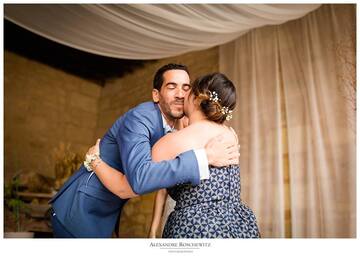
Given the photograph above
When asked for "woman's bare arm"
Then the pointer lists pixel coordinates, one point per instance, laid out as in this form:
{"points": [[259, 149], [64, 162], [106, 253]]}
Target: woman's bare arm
{"points": [[158, 211], [111, 178], [114, 181]]}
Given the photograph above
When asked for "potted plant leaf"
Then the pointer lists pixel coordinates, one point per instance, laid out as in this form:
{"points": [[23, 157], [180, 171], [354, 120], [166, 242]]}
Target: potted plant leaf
{"points": [[17, 207]]}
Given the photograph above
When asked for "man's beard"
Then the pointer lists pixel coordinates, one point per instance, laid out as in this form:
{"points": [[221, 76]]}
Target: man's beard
{"points": [[169, 112], [178, 115]]}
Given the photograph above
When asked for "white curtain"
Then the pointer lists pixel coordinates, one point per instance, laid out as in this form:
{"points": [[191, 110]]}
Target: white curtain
{"points": [[296, 121], [145, 31]]}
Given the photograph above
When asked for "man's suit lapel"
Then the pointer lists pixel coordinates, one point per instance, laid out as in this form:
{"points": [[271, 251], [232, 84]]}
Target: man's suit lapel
{"points": [[159, 116]]}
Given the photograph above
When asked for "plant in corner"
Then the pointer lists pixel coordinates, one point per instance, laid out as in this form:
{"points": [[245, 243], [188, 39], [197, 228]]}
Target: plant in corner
{"points": [[15, 204]]}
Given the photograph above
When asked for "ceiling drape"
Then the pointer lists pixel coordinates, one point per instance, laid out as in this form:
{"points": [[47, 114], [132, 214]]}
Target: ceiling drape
{"points": [[148, 31]]}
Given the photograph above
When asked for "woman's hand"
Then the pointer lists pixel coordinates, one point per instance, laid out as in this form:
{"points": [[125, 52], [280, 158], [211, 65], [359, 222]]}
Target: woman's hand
{"points": [[222, 153], [94, 150], [181, 123]]}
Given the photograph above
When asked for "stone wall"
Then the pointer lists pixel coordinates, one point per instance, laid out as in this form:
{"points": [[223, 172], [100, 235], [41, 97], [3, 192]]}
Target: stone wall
{"points": [[44, 106]]}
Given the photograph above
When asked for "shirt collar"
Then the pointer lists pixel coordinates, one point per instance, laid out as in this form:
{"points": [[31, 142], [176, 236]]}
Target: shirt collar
{"points": [[166, 127]]}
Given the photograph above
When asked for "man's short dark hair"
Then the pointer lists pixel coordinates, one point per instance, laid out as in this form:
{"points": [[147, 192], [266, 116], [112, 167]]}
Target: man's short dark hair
{"points": [[159, 78]]}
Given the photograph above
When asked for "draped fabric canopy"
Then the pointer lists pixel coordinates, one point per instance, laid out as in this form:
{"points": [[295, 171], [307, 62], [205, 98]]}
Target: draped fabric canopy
{"points": [[296, 120], [145, 31]]}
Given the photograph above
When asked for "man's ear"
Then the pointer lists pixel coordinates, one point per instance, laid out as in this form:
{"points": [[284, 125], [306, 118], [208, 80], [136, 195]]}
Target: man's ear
{"points": [[156, 95]]}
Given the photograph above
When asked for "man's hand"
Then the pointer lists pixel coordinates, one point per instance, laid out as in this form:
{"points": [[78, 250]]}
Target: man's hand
{"points": [[221, 153]]}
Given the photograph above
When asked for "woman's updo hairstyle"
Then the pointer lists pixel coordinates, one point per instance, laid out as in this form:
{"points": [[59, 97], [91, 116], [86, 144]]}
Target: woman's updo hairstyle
{"points": [[217, 96]]}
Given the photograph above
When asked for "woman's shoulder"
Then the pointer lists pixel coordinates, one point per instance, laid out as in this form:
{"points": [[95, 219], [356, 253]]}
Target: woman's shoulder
{"points": [[199, 134], [203, 129], [194, 132], [177, 142]]}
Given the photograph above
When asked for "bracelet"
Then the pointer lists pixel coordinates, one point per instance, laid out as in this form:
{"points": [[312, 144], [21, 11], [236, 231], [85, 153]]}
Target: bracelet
{"points": [[89, 158], [97, 163]]}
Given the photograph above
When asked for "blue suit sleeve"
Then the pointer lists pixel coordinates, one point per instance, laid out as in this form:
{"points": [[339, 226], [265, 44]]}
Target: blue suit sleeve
{"points": [[143, 174]]}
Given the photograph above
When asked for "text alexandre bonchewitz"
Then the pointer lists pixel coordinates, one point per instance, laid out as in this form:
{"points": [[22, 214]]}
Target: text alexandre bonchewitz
{"points": [[180, 245]]}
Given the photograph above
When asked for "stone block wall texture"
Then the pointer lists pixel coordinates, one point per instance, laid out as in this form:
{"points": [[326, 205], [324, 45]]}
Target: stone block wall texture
{"points": [[44, 106]]}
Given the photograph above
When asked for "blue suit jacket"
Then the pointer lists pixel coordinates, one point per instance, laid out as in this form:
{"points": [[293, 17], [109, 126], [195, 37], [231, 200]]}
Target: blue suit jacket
{"points": [[86, 208]]}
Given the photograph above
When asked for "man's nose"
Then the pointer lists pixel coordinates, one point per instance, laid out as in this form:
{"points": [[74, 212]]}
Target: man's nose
{"points": [[180, 93]]}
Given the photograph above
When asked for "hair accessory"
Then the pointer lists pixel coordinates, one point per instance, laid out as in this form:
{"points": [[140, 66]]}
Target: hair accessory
{"points": [[224, 110], [214, 96], [227, 112]]}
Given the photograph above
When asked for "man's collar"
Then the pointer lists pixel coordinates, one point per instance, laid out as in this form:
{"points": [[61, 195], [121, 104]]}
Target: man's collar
{"points": [[167, 128]]}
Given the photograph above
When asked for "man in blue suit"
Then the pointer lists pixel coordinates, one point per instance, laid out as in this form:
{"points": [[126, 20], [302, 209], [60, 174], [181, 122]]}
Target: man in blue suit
{"points": [[84, 207]]}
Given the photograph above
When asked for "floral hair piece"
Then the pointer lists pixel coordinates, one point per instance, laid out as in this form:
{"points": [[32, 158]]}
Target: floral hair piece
{"points": [[214, 96], [227, 112], [224, 110]]}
